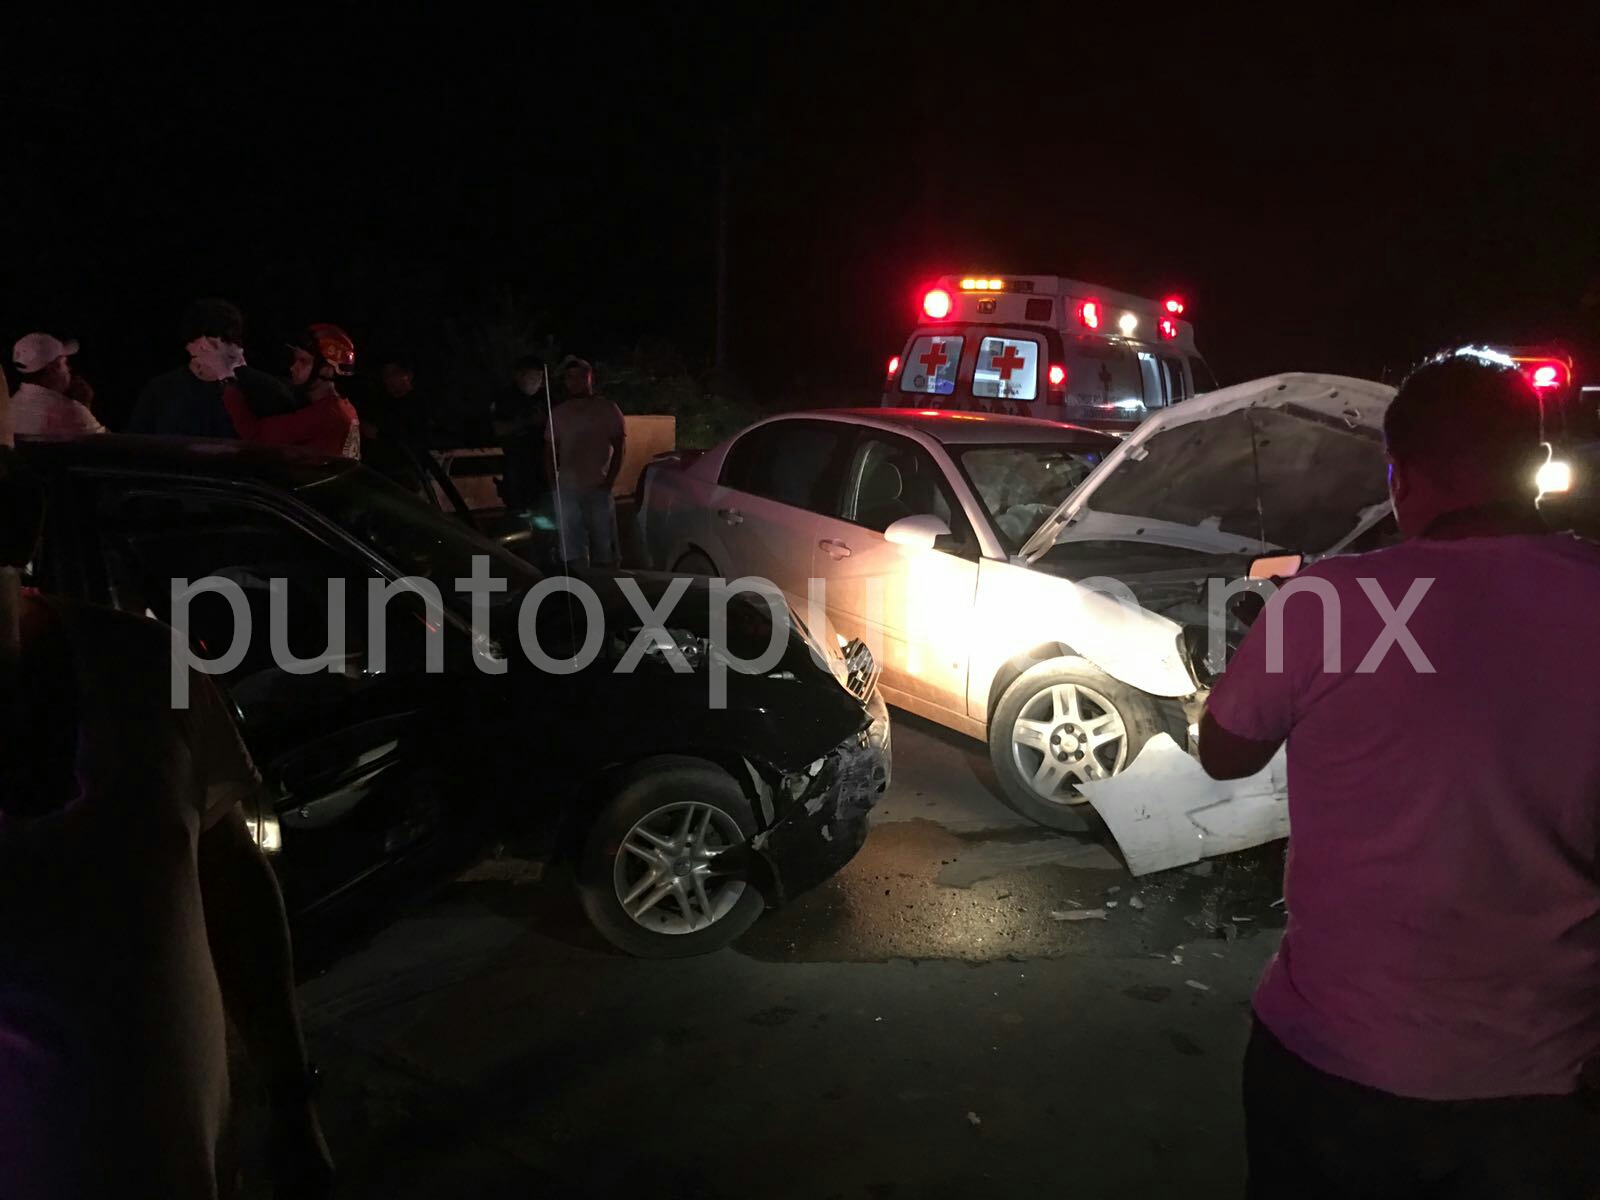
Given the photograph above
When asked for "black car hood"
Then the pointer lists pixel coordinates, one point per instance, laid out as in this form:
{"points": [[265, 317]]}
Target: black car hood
{"points": [[785, 716]]}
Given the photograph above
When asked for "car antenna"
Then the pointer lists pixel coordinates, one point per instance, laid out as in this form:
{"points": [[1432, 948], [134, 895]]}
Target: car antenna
{"points": [[555, 462]]}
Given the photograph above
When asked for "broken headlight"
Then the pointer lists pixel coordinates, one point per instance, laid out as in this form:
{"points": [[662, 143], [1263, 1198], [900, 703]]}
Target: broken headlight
{"points": [[696, 650]]}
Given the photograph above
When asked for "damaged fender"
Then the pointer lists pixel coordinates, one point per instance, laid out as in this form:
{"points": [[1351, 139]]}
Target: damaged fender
{"points": [[1165, 811]]}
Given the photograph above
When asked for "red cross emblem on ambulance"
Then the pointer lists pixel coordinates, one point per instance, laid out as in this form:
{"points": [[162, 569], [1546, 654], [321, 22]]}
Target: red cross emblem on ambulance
{"points": [[1007, 361], [934, 358]]}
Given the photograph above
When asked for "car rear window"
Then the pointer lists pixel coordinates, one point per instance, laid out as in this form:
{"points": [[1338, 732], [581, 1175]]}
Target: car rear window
{"points": [[1007, 368], [930, 366]]}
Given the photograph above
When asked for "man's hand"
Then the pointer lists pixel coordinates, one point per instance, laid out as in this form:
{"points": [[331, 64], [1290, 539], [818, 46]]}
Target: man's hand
{"points": [[80, 391]]}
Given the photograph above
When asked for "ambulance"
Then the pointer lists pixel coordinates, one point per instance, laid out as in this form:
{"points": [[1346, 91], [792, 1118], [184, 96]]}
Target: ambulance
{"points": [[1046, 346]]}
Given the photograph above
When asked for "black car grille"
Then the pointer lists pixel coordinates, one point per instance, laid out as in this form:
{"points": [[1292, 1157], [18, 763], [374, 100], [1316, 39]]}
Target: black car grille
{"points": [[861, 672]]}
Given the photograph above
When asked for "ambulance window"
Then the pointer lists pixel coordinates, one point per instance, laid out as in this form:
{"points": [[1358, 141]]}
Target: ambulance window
{"points": [[1103, 379], [1177, 381], [1204, 380], [930, 366], [1008, 369], [1155, 392]]}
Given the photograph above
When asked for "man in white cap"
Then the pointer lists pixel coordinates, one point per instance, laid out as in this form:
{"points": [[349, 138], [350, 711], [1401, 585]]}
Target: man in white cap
{"points": [[45, 404]]}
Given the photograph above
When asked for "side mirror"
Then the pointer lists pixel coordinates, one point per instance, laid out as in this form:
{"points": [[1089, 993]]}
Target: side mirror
{"points": [[921, 532], [1276, 566]]}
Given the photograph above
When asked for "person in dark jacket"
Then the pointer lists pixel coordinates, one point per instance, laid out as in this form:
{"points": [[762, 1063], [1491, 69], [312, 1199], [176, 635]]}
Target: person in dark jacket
{"points": [[188, 401]]}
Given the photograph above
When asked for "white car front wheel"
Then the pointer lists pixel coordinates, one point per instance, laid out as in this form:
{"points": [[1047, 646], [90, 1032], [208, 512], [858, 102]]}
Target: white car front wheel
{"points": [[1062, 724]]}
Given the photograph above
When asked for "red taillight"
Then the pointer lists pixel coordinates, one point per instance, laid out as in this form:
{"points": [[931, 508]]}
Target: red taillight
{"points": [[1058, 375], [936, 304], [1168, 327], [894, 366], [1089, 314], [1174, 305], [1548, 375]]}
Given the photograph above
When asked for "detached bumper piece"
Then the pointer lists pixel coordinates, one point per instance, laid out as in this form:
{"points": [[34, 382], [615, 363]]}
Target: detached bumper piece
{"points": [[824, 821]]}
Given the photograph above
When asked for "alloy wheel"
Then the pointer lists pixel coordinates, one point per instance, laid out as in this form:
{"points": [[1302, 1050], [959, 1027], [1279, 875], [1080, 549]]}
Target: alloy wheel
{"points": [[1065, 735], [666, 874]]}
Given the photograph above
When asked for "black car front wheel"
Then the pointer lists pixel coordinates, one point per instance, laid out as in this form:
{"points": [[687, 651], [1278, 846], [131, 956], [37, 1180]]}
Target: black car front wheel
{"points": [[649, 875]]}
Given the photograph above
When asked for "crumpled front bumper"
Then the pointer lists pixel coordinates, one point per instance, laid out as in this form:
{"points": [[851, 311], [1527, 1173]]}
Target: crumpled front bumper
{"points": [[822, 828]]}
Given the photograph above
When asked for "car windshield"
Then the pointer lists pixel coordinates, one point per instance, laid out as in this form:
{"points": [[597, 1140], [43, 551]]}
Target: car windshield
{"points": [[1019, 486], [415, 537]]}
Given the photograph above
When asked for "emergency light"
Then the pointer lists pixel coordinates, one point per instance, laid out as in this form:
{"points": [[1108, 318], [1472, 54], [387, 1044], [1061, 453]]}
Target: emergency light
{"points": [[1058, 375], [1168, 328], [1089, 314], [894, 366], [937, 304], [1173, 305], [1127, 323], [1544, 373], [982, 284]]}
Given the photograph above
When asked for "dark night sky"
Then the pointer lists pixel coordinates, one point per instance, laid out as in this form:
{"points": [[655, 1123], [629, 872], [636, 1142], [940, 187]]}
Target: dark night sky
{"points": [[1330, 194]]}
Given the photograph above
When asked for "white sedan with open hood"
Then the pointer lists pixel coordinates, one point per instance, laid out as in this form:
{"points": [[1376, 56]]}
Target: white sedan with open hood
{"points": [[989, 561]]}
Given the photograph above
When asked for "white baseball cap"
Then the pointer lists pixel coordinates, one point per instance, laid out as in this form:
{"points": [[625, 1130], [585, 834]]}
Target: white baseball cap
{"points": [[36, 351]]}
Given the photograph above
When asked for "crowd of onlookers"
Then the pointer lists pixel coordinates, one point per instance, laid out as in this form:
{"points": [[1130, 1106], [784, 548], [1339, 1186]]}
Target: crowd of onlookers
{"points": [[298, 398]]}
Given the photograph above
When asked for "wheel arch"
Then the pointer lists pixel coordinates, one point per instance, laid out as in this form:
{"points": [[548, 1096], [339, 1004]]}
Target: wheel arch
{"points": [[1018, 664]]}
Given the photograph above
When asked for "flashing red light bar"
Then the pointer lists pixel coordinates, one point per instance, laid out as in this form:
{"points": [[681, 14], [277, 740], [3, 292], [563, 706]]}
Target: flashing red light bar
{"points": [[937, 304], [1089, 314], [1545, 374], [1174, 305], [894, 366], [1168, 327], [1058, 375]]}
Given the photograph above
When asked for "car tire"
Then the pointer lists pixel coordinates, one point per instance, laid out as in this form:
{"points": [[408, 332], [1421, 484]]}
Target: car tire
{"points": [[1034, 697], [653, 798], [695, 563]]}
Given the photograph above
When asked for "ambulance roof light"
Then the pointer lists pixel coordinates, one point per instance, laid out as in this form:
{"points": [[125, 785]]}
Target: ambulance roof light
{"points": [[1126, 324], [1168, 327], [1089, 314], [937, 304], [1173, 305]]}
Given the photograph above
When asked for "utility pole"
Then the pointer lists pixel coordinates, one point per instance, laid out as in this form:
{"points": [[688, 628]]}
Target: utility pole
{"points": [[721, 360]]}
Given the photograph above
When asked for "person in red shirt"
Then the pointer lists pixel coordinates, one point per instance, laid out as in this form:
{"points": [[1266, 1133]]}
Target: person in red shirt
{"points": [[328, 424]]}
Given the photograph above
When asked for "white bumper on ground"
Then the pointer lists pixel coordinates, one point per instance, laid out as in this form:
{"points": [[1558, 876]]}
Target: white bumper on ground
{"points": [[1165, 811]]}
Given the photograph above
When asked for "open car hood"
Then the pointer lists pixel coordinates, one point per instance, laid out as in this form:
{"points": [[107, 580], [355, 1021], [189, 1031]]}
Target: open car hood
{"points": [[1290, 462]]}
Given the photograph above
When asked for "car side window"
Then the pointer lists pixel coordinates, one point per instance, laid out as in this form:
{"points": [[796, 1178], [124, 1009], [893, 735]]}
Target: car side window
{"points": [[791, 462], [151, 538], [890, 477]]}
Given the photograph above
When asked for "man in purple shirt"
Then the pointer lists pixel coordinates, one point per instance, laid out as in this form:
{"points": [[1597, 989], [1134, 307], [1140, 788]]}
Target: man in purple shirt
{"points": [[1430, 1020]]}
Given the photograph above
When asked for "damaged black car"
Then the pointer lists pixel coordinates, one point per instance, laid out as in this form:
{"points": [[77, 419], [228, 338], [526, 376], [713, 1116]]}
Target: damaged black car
{"points": [[688, 789]]}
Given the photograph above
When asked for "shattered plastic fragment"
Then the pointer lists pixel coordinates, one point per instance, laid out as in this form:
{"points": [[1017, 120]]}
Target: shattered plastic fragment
{"points": [[974, 1119], [1079, 914], [1135, 902], [1197, 985]]}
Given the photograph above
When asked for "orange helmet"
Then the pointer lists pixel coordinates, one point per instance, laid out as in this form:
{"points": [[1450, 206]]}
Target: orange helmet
{"points": [[332, 346]]}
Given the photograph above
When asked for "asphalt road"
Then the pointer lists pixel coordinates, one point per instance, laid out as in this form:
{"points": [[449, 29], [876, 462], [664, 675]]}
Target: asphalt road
{"points": [[927, 1024]]}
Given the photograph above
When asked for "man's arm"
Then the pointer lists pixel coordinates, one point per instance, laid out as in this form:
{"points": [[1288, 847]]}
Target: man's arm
{"points": [[619, 446], [1226, 755]]}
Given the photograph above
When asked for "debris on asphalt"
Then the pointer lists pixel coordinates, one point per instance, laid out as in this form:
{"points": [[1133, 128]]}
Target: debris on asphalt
{"points": [[1278, 903], [1197, 985], [1135, 902], [1079, 914], [1112, 891], [974, 1119], [1228, 931], [1177, 960], [1111, 903], [1241, 919], [1202, 869]]}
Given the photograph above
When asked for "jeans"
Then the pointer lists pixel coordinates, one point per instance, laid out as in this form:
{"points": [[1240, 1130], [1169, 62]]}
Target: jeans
{"points": [[588, 519], [1310, 1136]]}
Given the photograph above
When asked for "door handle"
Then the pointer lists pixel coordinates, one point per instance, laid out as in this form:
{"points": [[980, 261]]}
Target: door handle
{"points": [[835, 548], [731, 516]]}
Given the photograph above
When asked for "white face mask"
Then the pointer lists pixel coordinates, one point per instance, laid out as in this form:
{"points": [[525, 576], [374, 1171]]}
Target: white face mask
{"points": [[213, 359]]}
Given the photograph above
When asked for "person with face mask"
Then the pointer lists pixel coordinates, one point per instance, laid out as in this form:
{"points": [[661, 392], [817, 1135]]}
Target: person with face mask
{"points": [[327, 423], [188, 401], [135, 909], [45, 404]]}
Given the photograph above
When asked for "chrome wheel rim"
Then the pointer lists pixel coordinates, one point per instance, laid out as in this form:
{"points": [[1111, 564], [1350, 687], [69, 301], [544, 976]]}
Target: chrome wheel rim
{"points": [[1067, 734], [665, 872]]}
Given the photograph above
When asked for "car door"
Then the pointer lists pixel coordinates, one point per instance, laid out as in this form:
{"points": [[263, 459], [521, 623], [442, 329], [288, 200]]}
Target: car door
{"points": [[775, 481], [356, 759], [911, 605]]}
